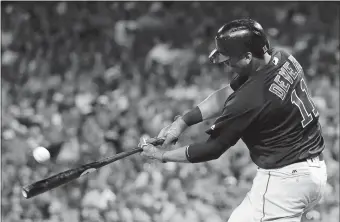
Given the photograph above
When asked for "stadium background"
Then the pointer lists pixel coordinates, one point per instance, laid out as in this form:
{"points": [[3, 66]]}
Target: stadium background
{"points": [[87, 79]]}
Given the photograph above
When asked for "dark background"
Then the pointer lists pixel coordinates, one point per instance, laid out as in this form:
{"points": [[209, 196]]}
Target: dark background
{"points": [[87, 79]]}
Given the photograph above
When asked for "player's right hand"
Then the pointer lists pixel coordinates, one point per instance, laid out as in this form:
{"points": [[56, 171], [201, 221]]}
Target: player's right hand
{"points": [[171, 133]]}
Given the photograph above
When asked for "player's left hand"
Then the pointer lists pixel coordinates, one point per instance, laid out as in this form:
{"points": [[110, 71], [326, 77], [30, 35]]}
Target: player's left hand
{"points": [[149, 150], [170, 133]]}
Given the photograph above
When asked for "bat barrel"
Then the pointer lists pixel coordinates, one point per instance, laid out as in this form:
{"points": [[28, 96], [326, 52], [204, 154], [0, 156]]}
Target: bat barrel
{"points": [[32, 190], [24, 192], [50, 183], [28, 193]]}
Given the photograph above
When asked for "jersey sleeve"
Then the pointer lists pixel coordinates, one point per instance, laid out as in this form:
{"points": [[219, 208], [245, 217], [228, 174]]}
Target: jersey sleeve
{"points": [[226, 131], [238, 113]]}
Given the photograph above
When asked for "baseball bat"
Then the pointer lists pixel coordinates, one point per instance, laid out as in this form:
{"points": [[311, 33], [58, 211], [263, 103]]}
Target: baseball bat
{"points": [[67, 176]]}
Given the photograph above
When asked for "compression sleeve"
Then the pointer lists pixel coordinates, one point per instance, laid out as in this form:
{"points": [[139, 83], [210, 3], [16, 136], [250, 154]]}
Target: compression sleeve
{"points": [[202, 152], [193, 117]]}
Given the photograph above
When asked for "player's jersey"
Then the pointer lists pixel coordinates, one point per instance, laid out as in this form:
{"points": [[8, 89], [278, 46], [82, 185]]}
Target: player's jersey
{"points": [[273, 112]]}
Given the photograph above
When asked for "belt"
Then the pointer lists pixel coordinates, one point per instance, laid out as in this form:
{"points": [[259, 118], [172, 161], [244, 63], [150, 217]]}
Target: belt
{"points": [[311, 157], [320, 155]]}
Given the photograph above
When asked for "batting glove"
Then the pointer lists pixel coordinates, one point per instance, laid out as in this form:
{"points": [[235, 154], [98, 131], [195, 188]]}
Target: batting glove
{"points": [[171, 133], [150, 151]]}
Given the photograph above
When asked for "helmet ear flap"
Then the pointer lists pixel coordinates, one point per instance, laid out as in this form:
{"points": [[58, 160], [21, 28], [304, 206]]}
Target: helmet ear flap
{"points": [[259, 38]]}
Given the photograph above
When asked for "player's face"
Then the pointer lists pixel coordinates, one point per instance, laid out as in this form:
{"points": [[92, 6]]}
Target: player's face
{"points": [[240, 64]]}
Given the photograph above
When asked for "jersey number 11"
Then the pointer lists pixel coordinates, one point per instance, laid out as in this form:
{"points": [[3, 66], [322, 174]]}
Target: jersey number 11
{"points": [[303, 101]]}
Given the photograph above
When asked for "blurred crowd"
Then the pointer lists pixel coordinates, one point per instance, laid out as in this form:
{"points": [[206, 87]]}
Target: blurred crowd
{"points": [[88, 79]]}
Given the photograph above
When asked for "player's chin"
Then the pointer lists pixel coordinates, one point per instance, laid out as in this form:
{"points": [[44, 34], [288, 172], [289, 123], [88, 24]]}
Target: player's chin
{"points": [[231, 71], [240, 71]]}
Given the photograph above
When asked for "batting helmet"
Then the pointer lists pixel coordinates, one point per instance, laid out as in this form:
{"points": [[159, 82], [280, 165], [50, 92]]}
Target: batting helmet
{"points": [[238, 37]]}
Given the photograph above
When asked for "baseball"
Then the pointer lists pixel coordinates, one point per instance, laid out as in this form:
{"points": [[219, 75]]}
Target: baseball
{"points": [[41, 154]]}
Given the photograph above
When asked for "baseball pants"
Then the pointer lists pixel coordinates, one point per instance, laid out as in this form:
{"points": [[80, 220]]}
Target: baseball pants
{"points": [[284, 194]]}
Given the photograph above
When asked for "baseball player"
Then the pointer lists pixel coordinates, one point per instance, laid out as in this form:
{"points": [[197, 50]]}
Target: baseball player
{"points": [[271, 110]]}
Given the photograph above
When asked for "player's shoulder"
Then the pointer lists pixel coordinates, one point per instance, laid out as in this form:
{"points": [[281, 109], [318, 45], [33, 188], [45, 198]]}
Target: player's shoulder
{"points": [[284, 78], [247, 96], [279, 56], [283, 60], [251, 91], [238, 83]]}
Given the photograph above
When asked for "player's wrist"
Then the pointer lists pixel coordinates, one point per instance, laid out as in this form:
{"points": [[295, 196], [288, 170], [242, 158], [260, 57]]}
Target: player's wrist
{"points": [[181, 124]]}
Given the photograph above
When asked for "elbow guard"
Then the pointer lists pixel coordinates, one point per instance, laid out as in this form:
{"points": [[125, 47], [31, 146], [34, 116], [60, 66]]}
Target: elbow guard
{"points": [[203, 152], [193, 117]]}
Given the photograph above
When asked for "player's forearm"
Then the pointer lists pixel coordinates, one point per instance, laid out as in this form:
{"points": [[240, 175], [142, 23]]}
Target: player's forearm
{"points": [[196, 153], [177, 155], [211, 107]]}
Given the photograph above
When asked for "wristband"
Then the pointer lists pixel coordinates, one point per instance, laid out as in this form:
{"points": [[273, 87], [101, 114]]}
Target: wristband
{"points": [[192, 117]]}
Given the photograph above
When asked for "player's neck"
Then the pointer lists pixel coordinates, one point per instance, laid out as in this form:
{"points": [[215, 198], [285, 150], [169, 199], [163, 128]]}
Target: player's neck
{"points": [[260, 63]]}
